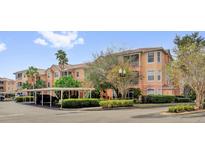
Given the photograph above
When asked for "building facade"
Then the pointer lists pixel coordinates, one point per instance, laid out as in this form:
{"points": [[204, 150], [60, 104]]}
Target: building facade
{"points": [[7, 85], [148, 63], [21, 78]]}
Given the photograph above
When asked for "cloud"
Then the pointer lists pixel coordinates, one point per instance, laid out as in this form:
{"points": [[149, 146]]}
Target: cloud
{"points": [[2, 47], [61, 39], [40, 41]]}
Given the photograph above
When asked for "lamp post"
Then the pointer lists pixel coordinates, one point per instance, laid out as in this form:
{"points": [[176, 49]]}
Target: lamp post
{"points": [[122, 74]]}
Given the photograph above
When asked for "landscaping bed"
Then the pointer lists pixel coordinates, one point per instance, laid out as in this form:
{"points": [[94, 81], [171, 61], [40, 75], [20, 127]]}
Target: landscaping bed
{"points": [[24, 98], [181, 108], [116, 103], [79, 103]]}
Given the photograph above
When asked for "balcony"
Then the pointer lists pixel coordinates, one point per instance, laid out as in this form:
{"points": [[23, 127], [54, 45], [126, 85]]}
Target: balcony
{"points": [[132, 59]]}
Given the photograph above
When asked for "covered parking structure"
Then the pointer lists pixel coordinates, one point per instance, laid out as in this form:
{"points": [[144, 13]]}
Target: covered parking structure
{"points": [[61, 90]]}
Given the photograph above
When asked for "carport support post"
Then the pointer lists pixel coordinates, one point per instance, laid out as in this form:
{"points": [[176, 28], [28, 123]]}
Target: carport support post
{"points": [[42, 98], [61, 99], [35, 98], [50, 99], [90, 93]]}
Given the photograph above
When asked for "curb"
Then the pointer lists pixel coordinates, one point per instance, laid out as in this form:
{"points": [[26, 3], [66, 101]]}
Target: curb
{"points": [[182, 113]]}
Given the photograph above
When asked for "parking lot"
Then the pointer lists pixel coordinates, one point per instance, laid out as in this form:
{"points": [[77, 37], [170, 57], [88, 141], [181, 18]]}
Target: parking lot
{"points": [[21, 113]]}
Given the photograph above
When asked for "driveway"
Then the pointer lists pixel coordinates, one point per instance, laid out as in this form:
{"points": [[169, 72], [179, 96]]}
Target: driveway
{"points": [[21, 113]]}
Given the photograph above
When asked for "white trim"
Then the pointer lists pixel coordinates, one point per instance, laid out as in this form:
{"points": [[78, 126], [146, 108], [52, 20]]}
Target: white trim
{"points": [[150, 94], [160, 57], [160, 75], [153, 75], [57, 89], [148, 57]]}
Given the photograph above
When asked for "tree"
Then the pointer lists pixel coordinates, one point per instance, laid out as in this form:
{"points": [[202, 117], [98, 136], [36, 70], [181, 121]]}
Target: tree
{"points": [[66, 82], [40, 84], [121, 83], [97, 71], [189, 66], [62, 60], [32, 73], [103, 73], [26, 85]]}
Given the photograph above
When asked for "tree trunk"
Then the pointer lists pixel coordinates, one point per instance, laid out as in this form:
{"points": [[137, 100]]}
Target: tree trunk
{"points": [[199, 100]]}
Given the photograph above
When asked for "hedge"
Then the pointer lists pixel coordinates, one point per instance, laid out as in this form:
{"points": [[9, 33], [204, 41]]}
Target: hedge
{"points": [[182, 99], [181, 108], [158, 99], [116, 103], [24, 98], [78, 103]]}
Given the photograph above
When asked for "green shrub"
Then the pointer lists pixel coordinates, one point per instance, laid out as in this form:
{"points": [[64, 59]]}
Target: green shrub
{"points": [[158, 99], [78, 103], [181, 108], [24, 98], [182, 99], [116, 103]]}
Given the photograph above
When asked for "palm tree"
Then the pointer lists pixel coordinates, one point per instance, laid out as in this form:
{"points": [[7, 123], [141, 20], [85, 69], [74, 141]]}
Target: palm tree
{"points": [[32, 73], [62, 60]]}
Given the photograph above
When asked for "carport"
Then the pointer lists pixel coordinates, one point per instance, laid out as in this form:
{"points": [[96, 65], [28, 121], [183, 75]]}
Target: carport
{"points": [[62, 90]]}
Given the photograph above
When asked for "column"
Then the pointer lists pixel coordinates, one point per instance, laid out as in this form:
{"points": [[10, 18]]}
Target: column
{"points": [[42, 98]]}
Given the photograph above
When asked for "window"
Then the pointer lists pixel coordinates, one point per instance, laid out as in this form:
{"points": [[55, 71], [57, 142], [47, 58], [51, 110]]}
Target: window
{"points": [[1, 82], [65, 73], [158, 57], [56, 74], [19, 75], [150, 91], [158, 75], [150, 57], [19, 84], [150, 75], [49, 74], [48, 84], [159, 91], [77, 74], [135, 79]]}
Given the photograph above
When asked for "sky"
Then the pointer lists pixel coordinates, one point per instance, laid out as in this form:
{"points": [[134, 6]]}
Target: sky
{"points": [[21, 49]]}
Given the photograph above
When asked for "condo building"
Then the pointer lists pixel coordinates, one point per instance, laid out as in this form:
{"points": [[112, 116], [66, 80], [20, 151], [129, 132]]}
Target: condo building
{"points": [[149, 63], [7, 85]]}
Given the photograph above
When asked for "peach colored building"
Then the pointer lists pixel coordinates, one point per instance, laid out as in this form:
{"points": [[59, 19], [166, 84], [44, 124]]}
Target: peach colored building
{"points": [[150, 64], [53, 73], [21, 77], [7, 85]]}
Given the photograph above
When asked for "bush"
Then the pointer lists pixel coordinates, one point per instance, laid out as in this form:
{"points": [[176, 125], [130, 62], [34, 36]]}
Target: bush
{"points": [[158, 99], [78, 103], [116, 103], [24, 98], [182, 99], [181, 108]]}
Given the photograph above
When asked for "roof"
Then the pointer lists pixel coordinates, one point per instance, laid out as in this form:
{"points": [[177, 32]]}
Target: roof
{"points": [[40, 71], [59, 89], [142, 50], [5, 79], [69, 66]]}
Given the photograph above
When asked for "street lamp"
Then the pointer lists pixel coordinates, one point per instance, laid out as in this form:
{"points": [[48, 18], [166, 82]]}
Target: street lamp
{"points": [[122, 72]]}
